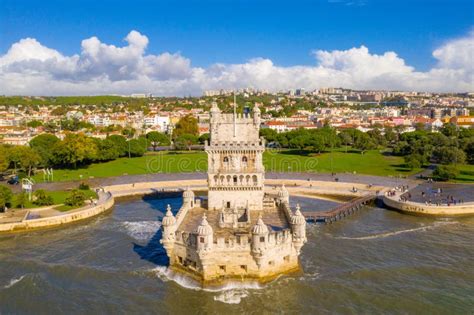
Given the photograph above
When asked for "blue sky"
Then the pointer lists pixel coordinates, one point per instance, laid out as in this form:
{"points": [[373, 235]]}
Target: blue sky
{"points": [[234, 31], [187, 47]]}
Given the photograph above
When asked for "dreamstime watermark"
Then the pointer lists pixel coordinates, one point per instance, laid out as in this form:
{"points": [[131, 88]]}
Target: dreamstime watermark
{"points": [[275, 160]]}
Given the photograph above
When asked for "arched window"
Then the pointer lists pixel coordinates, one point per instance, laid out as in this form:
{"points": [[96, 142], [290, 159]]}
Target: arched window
{"points": [[244, 161], [255, 181], [226, 162]]}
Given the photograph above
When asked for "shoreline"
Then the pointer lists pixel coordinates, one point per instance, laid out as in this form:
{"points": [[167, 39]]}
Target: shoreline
{"points": [[301, 185]]}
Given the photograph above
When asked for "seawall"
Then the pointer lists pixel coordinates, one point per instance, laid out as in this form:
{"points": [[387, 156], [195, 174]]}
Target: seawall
{"points": [[105, 202], [424, 209]]}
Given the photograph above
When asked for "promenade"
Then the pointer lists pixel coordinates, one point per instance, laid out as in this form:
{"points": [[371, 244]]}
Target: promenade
{"points": [[340, 188]]}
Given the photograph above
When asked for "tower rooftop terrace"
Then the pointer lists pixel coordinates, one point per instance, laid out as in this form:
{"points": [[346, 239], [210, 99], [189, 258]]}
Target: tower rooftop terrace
{"points": [[274, 219]]}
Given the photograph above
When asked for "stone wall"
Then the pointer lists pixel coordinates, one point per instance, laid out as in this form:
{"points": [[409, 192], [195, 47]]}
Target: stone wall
{"points": [[105, 204], [420, 208]]}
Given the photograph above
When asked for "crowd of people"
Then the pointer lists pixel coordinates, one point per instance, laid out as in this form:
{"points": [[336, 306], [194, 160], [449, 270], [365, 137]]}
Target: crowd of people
{"points": [[430, 198]]}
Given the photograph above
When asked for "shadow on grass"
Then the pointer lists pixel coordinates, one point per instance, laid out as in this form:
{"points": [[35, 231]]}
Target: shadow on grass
{"points": [[307, 152], [296, 152], [401, 168]]}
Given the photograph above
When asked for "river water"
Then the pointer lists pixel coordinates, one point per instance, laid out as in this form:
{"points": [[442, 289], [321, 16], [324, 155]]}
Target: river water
{"points": [[376, 261]]}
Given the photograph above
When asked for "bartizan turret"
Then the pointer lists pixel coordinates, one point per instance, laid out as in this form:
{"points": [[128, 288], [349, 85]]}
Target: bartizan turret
{"points": [[205, 235], [256, 116], [298, 228], [283, 195], [169, 228], [188, 198], [259, 241]]}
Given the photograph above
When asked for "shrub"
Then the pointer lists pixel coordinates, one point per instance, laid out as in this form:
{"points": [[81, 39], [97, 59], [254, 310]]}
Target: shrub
{"points": [[5, 197], [21, 199], [41, 198], [84, 186], [445, 172], [76, 198]]}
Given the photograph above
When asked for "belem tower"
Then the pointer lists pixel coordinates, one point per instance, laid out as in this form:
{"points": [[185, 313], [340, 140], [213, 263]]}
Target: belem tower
{"points": [[239, 231]]}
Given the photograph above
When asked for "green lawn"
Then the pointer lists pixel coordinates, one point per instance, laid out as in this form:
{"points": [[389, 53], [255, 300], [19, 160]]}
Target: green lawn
{"points": [[466, 173], [59, 196], [372, 163]]}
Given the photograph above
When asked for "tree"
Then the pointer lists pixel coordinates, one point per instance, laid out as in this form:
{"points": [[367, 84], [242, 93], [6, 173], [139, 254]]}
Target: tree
{"points": [[204, 138], [129, 132], [363, 142], [377, 137], [449, 130], [5, 197], [42, 144], [186, 125], [157, 139], [470, 152], [74, 149], [4, 161], [185, 141], [413, 161], [34, 124], [120, 143], [345, 138], [449, 155], [390, 135], [445, 172], [24, 157], [75, 198], [107, 150], [41, 198], [269, 134], [137, 147]]}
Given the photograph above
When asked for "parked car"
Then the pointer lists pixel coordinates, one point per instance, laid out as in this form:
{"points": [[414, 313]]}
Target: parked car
{"points": [[14, 180]]}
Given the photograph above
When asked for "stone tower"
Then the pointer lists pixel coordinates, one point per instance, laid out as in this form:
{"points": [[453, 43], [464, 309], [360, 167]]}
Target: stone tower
{"points": [[235, 169]]}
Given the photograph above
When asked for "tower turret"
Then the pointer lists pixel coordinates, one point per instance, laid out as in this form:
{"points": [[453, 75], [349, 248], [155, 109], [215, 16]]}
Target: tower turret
{"points": [[259, 240], [214, 116], [168, 225], [283, 194], [205, 235], [188, 198], [256, 116], [298, 228]]}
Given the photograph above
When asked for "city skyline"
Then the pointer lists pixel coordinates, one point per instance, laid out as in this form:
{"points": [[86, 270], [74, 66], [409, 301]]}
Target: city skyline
{"points": [[90, 49]]}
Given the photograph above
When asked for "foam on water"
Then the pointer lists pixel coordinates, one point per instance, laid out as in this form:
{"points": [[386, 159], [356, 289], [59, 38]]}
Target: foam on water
{"points": [[233, 296], [388, 234], [231, 292], [141, 230], [13, 282], [166, 274]]}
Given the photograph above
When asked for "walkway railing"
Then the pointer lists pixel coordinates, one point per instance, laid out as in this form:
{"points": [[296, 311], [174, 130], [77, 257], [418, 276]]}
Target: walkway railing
{"points": [[340, 211]]}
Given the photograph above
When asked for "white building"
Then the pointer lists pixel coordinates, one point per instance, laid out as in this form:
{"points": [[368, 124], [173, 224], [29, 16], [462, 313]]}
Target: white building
{"points": [[162, 122]]}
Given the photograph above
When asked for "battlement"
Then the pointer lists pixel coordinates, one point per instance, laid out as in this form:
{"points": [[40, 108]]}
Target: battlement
{"points": [[226, 145], [239, 119]]}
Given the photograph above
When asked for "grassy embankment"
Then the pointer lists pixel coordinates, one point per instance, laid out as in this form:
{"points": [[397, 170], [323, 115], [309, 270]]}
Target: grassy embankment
{"points": [[59, 197], [371, 163], [466, 173]]}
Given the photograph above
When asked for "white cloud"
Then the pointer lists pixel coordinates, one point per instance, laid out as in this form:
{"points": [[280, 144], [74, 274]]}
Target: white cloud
{"points": [[31, 68]]}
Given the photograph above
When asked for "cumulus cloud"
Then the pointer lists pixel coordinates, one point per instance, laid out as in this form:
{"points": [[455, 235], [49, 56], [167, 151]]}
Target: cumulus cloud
{"points": [[30, 68]]}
